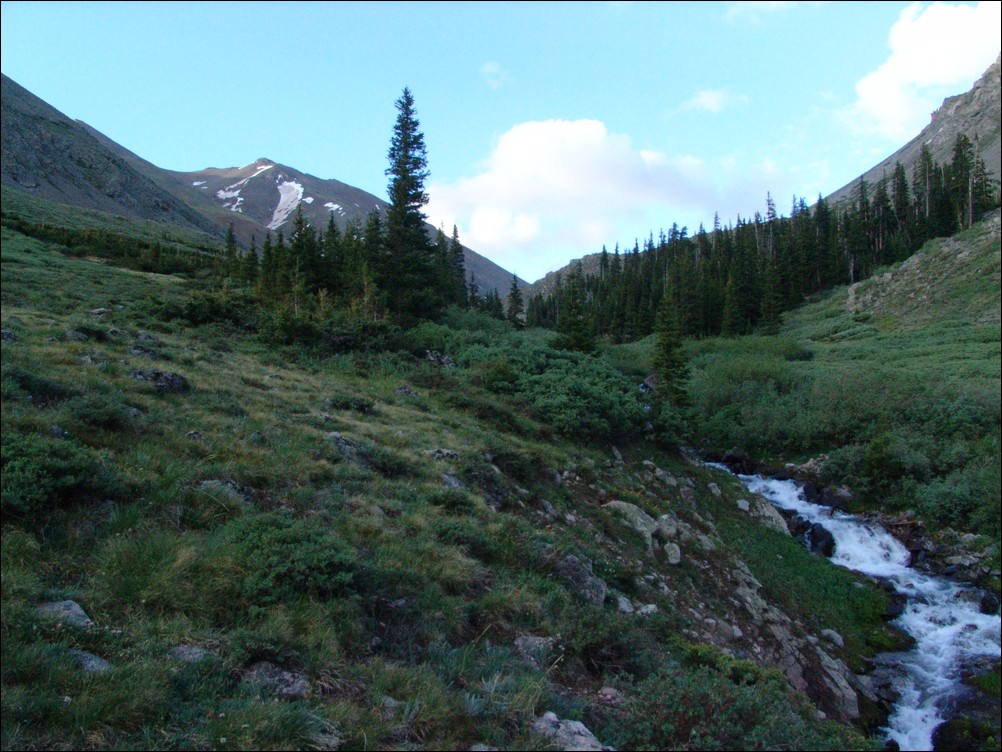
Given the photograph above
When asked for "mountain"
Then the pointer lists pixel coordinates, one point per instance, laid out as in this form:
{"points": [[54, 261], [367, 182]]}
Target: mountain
{"points": [[46, 154], [976, 113], [51, 156]]}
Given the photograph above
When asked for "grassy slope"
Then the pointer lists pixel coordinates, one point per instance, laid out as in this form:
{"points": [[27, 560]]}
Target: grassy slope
{"points": [[896, 379], [357, 566]]}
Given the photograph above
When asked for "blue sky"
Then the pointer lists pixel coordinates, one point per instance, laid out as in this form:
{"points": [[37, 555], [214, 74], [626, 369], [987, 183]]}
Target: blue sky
{"points": [[552, 128]]}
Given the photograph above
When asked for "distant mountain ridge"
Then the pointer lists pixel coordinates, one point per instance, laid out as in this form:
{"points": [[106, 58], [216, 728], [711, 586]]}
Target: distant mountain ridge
{"points": [[47, 154], [976, 113]]}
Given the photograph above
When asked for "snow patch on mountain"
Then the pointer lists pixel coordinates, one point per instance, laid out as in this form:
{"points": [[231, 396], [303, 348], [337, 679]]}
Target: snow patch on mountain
{"points": [[331, 206], [199, 182], [308, 200], [232, 191], [290, 194]]}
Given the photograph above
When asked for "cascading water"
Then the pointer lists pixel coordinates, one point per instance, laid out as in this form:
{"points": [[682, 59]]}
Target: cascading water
{"points": [[949, 630]]}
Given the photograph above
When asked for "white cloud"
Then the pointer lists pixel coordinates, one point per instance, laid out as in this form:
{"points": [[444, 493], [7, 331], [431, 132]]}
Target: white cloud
{"points": [[713, 100], [556, 189], [494, 75], [936, 49]]}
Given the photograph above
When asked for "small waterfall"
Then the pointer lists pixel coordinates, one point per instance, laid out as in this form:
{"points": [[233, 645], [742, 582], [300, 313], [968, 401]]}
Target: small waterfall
{"points": [[949, 630]]}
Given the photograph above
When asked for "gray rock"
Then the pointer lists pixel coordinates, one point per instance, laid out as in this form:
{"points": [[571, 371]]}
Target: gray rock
{"points": [[90, 663], [287, 685], [714, 489], [648, 609], [707, 544], [535, 650], [833, 637], [75, 335], [617, 454], [667, 528], [548, 509], [226, 490], [98, 311], [405, 391], [611, 696], [143, 352], [673, 554], [347, 448], [451, 481], [768, 515], [634, 518], [442, 454], [66, 612], [8, 336], [190, 653], [164, 382], [743, 505], [566, 735], [577, 574], [146, 337], [623, 605]]}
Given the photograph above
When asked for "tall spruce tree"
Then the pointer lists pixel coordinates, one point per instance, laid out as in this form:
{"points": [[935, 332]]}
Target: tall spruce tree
{"points": [[669, 362], [409, 268], [516, 305]]}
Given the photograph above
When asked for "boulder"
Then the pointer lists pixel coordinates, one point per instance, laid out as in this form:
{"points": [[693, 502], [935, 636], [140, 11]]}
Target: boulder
{"points": [[143, 352], [190, 653], [634, 518], [226, 491], [452, 482], [820, 540], [566, 735], [90, 663], [66, 612], [535, 650], [286, 685], [768, 515], [164, 382], [673, 554], [577, 574]]}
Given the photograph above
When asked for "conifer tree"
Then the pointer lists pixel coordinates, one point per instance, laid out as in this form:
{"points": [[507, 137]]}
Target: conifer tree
{"points": [[249, 271], [574, 325], [669, 362], [409, 269], [515, 303], [232, 262], [458, 262]]}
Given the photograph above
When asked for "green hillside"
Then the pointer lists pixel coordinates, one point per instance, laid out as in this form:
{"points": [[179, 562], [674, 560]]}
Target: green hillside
{"points": [[895, 380], [405, 538]]}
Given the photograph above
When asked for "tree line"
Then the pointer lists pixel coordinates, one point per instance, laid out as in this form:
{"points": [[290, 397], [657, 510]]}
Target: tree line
{"points": [[387, 266], [739, 278]]}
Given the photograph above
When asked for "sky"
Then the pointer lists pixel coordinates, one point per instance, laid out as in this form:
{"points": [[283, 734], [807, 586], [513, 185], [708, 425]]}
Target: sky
{"points": [[552, 129]]}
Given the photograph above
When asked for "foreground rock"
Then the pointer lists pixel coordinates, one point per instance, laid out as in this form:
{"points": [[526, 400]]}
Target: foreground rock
{"points": [[566, 735], [286, 685], [577, 575], [66, 612], [164, 382]]}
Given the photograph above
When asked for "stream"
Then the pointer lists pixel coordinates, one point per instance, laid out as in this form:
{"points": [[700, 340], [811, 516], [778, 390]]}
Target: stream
{"points": [[949, 630]]}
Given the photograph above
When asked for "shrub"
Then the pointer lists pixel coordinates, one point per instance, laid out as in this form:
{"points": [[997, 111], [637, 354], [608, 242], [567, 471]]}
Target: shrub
{"points": [[19, 384], [705, 709], [282, 558], [41, 474], [98, 411]]}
